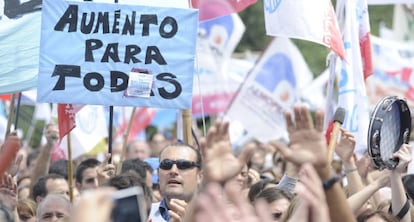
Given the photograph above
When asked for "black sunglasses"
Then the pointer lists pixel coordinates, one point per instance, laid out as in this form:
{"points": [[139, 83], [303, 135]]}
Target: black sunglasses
{"points": [[167, 164]]}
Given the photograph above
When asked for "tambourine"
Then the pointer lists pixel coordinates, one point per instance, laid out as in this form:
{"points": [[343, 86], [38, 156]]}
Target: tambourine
{"points": [[389, 128]]}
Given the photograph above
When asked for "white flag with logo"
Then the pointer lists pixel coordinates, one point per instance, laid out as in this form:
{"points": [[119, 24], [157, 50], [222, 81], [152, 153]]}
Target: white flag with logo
{"points": [[352, 94], [304, 19]]}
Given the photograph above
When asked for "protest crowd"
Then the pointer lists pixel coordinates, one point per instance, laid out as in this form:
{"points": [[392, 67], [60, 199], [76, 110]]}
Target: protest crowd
{"points": [[210, 182], [287, 165]]}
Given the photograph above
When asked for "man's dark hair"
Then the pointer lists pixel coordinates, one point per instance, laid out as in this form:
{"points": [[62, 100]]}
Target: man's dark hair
{"points": [[88, 163], [39, 188], [135, 165], [258, 187], [60, 167], [132, 179], [199, 159]]}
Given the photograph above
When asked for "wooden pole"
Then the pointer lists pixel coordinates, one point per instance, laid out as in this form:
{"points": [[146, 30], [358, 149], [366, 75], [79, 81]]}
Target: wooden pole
{"points": [[125, 141], [10, 116], [70, 169], [187, 135]]}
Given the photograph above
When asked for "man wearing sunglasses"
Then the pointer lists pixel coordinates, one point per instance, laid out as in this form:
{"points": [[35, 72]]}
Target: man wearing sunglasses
{"points": [[179, 175]]}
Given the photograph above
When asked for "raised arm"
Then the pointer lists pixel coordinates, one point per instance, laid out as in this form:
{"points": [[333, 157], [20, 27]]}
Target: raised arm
{"points": [[345, 150], [308, 145], [41, 167], [398, 198], [358, 199]]}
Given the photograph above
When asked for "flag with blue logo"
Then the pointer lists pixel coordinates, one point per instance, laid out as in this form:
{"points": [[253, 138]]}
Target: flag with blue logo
{"points": [[272, 87]]}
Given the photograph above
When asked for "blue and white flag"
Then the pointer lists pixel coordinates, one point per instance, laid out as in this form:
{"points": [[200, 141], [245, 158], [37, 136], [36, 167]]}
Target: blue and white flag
{"points": [[19, 44]]}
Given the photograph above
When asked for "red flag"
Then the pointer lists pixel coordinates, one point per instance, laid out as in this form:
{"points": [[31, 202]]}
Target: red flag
{"points": [[66, 118], [209, 9], [365, 39], [6, 97], [141, 120]]}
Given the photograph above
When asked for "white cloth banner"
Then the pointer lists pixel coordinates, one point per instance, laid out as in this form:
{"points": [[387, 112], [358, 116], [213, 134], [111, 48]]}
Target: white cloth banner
{"points": [[303, 19], [394, 69], [271, 88], [351, 94], [389, 2]]}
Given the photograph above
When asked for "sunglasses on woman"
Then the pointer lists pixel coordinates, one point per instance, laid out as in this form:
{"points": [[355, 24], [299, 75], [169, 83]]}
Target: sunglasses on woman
{"points": [[166, 164]]}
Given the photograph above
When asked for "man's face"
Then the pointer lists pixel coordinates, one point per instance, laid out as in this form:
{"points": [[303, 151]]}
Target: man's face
{"points": [[53, 210], [176, 183], [139, 150], [158, 143], [57, 186], [89, 179]]}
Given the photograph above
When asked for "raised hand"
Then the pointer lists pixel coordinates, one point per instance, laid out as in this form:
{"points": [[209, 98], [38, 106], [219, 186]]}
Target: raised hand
{"points": [[404, 157], [307, 140], [8, 191], [345, 147], [52, 135], [177, 210], [220, 162], [94, 205], [213, 206], [312, 206], [105, 170]]}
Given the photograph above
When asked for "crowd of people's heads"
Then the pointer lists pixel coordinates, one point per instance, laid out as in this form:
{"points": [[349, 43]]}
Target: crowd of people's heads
{"points": [[177, 181]]}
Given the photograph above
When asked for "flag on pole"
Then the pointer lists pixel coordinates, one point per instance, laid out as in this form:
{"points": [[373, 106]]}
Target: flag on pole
{"points": [[66, 119], [351, 91], [270, 89], [91, 128], [5, 97], [209, 9], [141, 119], [364, 38], [303, 19]]}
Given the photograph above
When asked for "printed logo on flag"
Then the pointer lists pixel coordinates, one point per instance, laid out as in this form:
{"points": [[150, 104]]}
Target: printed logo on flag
{"points": [[269, 79], [271, 5], [218, 32]]}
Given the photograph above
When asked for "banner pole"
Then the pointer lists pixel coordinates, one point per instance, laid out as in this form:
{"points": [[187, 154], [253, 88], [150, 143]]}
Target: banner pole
{"points": [[16, 120], [187, 134], [125, 139], [10, 116], [70, 168], [111, 122]]}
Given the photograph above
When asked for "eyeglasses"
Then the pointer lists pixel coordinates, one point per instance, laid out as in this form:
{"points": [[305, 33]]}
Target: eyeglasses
{"points": [[166, 164]]}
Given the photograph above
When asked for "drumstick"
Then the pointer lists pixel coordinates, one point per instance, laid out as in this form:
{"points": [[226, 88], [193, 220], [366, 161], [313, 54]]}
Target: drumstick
{"points": [[338, 120]]}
